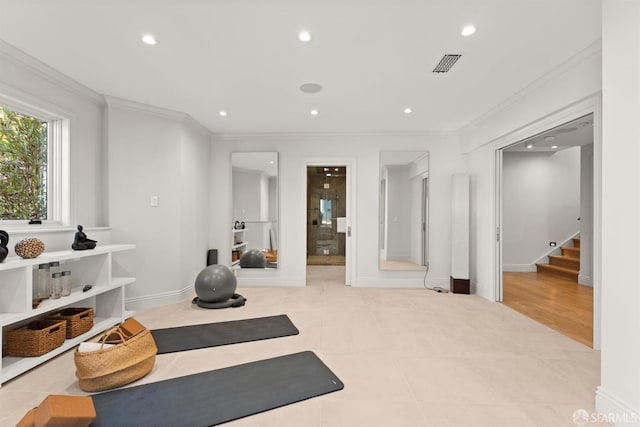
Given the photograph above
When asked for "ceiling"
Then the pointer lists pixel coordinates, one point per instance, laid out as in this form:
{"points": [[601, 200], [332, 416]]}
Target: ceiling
{"points": [[373, 58], [575, 133]]}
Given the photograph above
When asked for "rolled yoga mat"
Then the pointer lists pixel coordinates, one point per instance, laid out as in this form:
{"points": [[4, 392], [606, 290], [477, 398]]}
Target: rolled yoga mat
{"points": [[215, 397], [192, 337]]}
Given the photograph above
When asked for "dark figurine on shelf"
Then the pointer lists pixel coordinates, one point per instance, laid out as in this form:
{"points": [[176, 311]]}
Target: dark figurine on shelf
{"points": [[4, 241], [82, 242]]}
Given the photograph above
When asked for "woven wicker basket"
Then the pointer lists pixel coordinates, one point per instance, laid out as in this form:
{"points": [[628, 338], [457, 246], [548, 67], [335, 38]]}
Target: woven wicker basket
{"points": [[79, 320], [116, 366], [36, 338]]}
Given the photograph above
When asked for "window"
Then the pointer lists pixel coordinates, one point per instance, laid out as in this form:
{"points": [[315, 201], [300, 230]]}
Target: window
{"points": [[325, 212], [23, 166], [31, 165]]}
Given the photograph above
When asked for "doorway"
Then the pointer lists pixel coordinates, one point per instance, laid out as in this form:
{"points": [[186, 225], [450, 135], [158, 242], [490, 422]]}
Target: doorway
{"points": [[545, 233], [328, 226]]}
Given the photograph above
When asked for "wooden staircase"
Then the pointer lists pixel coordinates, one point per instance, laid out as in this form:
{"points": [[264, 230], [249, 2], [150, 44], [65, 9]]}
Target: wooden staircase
{"points": [[566, 265]]}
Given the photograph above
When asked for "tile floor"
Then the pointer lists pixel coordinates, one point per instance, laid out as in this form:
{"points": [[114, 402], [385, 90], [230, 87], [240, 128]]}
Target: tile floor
{"points": [[408, 357]]}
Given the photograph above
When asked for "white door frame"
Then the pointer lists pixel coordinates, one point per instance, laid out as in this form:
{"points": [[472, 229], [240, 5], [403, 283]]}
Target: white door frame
{"points": [[590, 105], [349, 250]]}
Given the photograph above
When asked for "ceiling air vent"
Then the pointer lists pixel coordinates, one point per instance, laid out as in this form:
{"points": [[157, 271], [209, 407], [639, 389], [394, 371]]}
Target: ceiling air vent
{"points": [[446, 63]]}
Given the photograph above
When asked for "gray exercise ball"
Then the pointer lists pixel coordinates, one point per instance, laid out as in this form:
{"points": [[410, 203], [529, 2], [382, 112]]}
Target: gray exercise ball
{"points": [[215, 283], [253, 258]]}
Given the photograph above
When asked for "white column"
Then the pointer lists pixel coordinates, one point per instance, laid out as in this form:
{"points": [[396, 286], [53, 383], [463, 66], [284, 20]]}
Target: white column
{"points": [[619, 391], [460, 227]]}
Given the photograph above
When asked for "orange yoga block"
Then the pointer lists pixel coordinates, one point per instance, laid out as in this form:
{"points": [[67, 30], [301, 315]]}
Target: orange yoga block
{"points": [[29, 419], [65, 411]]}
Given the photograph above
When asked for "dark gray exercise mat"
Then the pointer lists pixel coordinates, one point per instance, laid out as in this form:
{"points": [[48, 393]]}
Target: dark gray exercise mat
{"points": [[192, 337], [215, 397]]}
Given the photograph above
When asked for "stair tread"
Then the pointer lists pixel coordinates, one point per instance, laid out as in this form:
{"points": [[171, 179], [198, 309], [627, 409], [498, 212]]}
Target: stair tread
{"points": [[558, 268], [571, 252], [565, 259]]}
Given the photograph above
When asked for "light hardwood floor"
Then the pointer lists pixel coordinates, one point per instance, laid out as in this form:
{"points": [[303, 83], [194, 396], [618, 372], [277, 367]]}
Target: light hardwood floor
{"points": [[561, 304]]}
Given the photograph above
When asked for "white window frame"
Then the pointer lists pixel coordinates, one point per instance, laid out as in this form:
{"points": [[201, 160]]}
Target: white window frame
{"points": [[58, 163]]}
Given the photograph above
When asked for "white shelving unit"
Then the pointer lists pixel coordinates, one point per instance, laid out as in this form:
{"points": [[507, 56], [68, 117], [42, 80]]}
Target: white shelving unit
{"points": [[93, 267], [238, 243]]}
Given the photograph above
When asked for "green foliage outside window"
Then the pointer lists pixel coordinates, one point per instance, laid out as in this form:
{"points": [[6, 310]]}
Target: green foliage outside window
{"points": [[23, 166]]}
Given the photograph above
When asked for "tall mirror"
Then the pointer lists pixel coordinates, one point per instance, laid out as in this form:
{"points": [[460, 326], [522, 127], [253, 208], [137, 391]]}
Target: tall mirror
{"points": [[404, 210], [255, 205]]}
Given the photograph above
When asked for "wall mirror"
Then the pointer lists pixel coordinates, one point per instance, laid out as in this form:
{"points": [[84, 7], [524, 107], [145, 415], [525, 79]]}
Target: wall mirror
{"points": [[404, 210], [255, 205]]}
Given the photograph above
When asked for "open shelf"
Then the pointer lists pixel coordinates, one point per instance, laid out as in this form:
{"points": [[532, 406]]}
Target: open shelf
{"points": [[93, 267]]}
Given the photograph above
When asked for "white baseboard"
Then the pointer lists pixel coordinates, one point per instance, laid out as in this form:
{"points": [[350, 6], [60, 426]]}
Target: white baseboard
{"points": [[583, 279], [269, 283], [417, 283], [613, 410], [519, 268], [146, 301]]}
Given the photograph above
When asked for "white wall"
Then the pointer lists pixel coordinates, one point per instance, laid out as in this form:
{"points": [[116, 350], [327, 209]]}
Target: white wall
{"points": [[363, 152], [195, 218], [30, 82], [619, 391], [154, 152], [540, 204]]}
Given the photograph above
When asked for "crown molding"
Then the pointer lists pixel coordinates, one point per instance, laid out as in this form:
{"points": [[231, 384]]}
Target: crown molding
{"points": [[197, 126], [46, 72], [165, 113], [113, 101], [321, 135]]}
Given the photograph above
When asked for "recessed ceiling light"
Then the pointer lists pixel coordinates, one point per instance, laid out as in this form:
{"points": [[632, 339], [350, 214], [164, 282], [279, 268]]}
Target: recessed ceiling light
{"points": [[271, 162], [149, 39], [328, 174], [304, 36], [314, 112], [554, 146], [529, 145], [468, 30], [408, 110], [336, 169], [222, 113]]}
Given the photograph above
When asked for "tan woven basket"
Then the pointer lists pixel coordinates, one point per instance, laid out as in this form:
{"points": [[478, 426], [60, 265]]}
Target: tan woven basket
{"points": [[36, 338], [79, 320], [116, 366]]}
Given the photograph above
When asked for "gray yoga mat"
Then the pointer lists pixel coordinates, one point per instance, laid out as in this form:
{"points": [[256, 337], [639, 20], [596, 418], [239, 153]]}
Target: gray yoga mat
{"points": [[192, 337], [215, 397]]}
